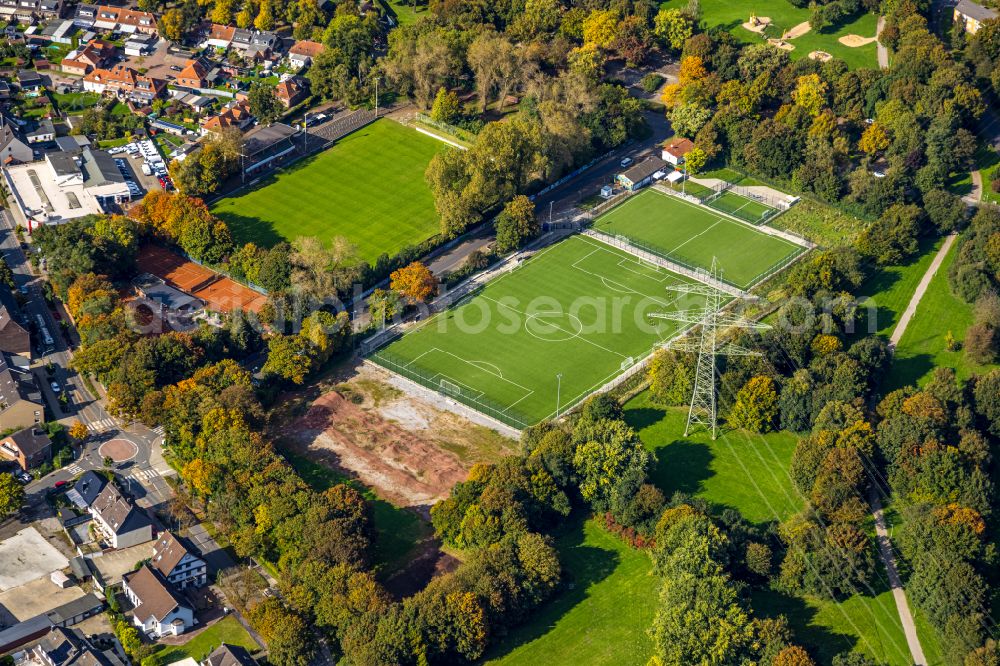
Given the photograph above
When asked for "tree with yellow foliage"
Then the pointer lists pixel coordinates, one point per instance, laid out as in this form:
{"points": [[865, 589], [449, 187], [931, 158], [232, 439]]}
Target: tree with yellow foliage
{"points": [[600, 28], [414, 282], [875, 139], [79, 431], [810, 93]]}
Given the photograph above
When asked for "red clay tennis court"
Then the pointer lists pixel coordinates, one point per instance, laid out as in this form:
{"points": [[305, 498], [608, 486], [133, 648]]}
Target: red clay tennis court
{"points": [[218, 291]]}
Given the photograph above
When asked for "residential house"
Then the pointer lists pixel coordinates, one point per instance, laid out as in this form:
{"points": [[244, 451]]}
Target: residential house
{"points": [[220, 36], [675, 150], [86, 490], [125, 82], [97, 54], [60, 32], [120, 522], [67, 647], [5, 90], [14, 147], [973, 15], [303, 52], [14, 337], [177, 561], [291, 91], [159, 611], [237, 115], [141, 44], [255, 44], [229, 655], [29, 81], [29, 447], [641, 174], [193, 75], [28, 10], [21, 404], [120, 19], [43, 132]]}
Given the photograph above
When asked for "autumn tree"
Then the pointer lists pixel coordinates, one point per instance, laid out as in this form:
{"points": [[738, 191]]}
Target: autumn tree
{"points": [[874, 139], [79, 431], [172, 25], [756, 406], [810, 93], [414, 282], [673, 27], [671, 377], [11, 494], [446, 108], [516, 224]]}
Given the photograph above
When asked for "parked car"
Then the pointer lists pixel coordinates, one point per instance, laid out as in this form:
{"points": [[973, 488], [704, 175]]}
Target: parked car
{"points": [[626, 162], [55, 387], [23, 476], [176, 68], [60, 484]]}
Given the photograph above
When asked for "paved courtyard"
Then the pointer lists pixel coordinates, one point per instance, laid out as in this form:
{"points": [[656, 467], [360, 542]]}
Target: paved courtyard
{"points": [[27, 556]]}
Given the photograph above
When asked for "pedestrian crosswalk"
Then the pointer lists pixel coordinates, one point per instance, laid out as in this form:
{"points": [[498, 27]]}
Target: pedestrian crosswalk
{"points": [[159, 430], [143, 475], [102, 425], [74, 469]]}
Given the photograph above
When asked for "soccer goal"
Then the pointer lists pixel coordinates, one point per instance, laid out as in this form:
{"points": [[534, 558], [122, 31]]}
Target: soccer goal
{"points": [[450, 388], [627, 363]]}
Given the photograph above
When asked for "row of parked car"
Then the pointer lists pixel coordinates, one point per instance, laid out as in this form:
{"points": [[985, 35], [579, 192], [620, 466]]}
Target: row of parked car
{"points": [[152, 161]]}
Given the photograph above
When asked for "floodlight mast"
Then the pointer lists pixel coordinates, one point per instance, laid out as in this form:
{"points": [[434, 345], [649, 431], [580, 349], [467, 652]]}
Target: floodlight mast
{"points": [[703, 408]]}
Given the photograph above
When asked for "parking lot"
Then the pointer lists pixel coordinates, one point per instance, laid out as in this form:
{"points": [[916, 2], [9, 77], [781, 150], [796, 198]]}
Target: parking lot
{"points": [[137, 158]]}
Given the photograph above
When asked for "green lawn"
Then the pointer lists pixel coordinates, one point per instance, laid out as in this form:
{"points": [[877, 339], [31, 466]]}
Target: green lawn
{"points": [[398, 530], [739, 470], [601, 619], [76, 102], [578, 309], [922, 347], [891, 288], [731, 14], [227, 630], [692, 235], [749, 473], [869, 625], [369, 188]]}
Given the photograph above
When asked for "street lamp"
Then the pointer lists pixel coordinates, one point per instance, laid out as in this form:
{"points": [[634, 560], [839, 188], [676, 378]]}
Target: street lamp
{"points": [[558, 392]]}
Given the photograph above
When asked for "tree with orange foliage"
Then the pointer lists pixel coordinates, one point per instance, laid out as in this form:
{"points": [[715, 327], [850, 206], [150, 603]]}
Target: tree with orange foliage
{"points": [[79, 431], [793, 655], [414, 282]]}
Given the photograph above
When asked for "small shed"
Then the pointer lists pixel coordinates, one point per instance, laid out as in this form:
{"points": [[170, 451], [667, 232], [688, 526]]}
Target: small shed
{"points": [[59, 579], [607, 192], [641, 174]]}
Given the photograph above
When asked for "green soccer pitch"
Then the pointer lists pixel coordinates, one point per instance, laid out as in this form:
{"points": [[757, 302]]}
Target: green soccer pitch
{"points": [[368, 187], [578, 309], [692, 235], [739, 206]]}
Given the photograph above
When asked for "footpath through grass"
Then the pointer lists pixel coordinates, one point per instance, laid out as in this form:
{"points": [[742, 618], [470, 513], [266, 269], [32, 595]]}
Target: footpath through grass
{"points": [[368, 187], [692, 235], [922, 347]]}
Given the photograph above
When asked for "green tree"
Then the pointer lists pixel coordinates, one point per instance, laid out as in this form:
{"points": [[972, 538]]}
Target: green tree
{"points": [[611, 465], [264, 103], [756, 406], [383, 305], [516, 224], [172, 25], [671, 377], [288, 357], [673, 27], [446, 108], [11, 494]]}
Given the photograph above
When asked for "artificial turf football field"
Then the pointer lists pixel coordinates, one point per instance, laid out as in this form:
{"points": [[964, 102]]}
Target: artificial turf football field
{"points": [[692, 235], [368, 187], [739, 206], [578, 308]]}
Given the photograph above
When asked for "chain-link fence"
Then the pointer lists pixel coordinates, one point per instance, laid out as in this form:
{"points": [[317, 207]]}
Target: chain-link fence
{"points": [[439, 383]]}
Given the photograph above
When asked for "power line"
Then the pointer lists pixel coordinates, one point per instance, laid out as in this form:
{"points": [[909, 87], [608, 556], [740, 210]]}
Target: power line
{"points": [[703, 409]]}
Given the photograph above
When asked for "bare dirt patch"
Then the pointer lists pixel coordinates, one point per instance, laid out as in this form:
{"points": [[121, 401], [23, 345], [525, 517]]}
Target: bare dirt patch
{"points": [[854, 41], [822, 56], [781, 44], [405, 448], [757, 24], [797, 31]]}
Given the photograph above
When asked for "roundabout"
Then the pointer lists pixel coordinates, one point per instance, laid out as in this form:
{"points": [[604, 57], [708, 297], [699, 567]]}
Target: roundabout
{"points": [[119, 450]]}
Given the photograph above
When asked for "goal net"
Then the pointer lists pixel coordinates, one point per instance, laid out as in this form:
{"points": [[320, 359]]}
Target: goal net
{"points": [[450, 388], [628, 363]]}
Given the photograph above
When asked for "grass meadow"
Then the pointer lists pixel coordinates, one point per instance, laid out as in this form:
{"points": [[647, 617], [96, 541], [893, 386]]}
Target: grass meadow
{"points": [[368, 187], [731, 14]]}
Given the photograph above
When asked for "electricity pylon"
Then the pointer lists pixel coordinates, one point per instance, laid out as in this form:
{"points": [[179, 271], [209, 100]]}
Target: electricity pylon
{"points": [[702, 409]]}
